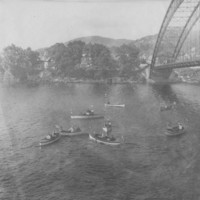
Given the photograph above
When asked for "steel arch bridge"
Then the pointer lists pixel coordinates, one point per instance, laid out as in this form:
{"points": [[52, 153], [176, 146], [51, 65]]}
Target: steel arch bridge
{"points": [[181, 17]]}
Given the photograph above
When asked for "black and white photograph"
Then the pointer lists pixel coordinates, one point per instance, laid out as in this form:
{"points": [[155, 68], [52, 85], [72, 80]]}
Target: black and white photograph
{"points": [[99, 99]]}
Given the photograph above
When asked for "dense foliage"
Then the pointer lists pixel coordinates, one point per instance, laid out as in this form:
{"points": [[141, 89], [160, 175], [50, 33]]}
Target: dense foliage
{"points": [[128, 59], [93, 61], [21, 63], [76, 59]]}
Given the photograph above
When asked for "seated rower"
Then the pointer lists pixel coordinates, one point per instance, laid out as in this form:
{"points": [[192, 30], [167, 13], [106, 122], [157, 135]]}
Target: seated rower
{"points": [[89, 112], [48, 137], [103, 134], [180, 126], [74, 128], [176, 128], [78, 129], [108, 124], [107, 129], [110, 138], [53, 134], [71, 129]]}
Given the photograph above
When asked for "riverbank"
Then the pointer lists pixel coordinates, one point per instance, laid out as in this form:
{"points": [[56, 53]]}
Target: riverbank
{"points": [[50, 80], [189, 75], [182, 76]]}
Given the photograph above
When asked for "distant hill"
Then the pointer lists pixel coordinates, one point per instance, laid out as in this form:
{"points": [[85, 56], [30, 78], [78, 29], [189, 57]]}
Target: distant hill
{"points": [[145, 44], [109, 42]]}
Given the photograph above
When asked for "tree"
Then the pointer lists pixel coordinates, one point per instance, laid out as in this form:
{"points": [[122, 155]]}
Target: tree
{"points": [[1, 65], [74, 55], [33, 65], [19, 62], [102, 61], [57, 55], [65, 58], [128, 59]]}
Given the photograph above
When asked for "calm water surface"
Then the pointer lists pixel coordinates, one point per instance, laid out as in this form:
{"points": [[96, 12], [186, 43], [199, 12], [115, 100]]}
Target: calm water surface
{"points": [[149, 165]]}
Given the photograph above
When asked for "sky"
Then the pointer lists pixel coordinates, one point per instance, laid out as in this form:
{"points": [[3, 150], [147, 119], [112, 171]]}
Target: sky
{"points": [[42, 23]]}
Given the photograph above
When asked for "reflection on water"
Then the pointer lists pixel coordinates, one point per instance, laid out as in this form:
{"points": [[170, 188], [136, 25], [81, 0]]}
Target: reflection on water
{"points": [[166, 93], [149, 165]]}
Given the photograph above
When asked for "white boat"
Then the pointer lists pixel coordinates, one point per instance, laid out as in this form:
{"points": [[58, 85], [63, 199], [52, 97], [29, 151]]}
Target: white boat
{"points": [[49, 139], [86, 116], [104, 140], [114, 105]]}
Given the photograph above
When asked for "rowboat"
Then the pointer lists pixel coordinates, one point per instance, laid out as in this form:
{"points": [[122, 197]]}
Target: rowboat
{"points": [[69, 133], [174, 131], [83, 116], [114, 105], [104, 139], [49, 139]]}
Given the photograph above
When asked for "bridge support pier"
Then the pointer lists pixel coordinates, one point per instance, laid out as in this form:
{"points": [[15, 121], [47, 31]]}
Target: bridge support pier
{"points": [[159, 75]]}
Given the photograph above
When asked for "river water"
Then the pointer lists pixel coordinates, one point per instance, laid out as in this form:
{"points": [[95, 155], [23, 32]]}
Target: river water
{"points": [[148, 165]]}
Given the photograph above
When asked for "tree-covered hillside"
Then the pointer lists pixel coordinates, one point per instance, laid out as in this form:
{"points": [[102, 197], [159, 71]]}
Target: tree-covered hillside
{"points": [[98, 59], [91, 61]]}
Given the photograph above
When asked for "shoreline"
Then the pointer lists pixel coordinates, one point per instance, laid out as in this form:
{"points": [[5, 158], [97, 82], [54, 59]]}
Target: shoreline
{"points": [[89, 81]]}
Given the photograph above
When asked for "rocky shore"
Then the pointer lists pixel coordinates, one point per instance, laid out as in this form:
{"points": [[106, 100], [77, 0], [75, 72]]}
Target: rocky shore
{"points": [[188, 75]]}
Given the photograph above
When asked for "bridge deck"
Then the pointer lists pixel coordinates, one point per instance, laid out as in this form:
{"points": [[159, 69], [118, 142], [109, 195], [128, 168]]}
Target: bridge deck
{"points": [[195, 63]]}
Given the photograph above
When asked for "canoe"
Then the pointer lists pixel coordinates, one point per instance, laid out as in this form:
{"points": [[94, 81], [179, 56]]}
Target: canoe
{"points": [[86, 116], [104, 140], [115, 105], [68, 133], [49, 139], [173, 132]]}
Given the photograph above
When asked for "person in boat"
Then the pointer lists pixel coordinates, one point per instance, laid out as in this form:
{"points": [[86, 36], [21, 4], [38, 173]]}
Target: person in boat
{"points": [[78, 129], [50, 136], [166, 107], [54, 134], [176, 128], [74, 128], [108, 125], [71, 129], [59, 128], [180, 126], [89, 112], [107, 128]]}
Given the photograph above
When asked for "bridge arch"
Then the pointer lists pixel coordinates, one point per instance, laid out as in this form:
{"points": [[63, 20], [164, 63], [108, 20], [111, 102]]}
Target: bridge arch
{"points": [[179, 20]]}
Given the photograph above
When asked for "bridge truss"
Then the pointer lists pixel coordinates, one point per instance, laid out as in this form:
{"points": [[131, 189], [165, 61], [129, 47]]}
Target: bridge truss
{"points": [[182, 16]]}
